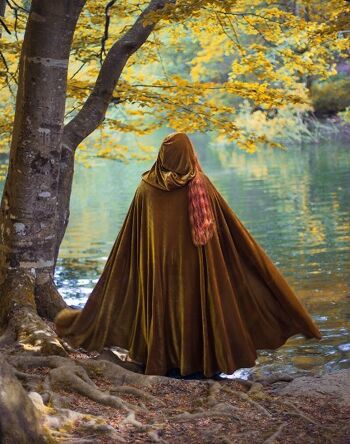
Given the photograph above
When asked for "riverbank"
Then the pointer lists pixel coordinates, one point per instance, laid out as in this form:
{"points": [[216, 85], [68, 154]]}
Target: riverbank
{"points": [[81, 398]]}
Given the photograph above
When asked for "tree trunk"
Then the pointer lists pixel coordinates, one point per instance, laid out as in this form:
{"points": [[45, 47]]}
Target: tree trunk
{"points": [[34, 209], [2, 8], [19, 421], [29, 206]]}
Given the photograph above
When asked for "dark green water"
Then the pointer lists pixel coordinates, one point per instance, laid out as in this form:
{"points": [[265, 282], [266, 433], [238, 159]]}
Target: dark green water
{"points": [[295, 203]]}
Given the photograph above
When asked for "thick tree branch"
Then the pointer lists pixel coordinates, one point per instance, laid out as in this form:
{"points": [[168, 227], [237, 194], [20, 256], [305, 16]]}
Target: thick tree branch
{"points": [[2, 14], [95, 107], [2, 8]]}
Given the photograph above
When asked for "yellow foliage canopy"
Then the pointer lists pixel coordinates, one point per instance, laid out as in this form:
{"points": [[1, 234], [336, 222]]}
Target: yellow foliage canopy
{"points": [[204, 59]]}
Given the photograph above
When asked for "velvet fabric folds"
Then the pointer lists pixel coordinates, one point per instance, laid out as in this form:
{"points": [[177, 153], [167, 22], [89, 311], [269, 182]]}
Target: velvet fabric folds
{"points": [[176, 305], [175, 164]]}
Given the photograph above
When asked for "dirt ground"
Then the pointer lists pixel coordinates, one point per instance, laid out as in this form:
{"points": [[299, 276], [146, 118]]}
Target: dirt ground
{"points": [[171, 410]]}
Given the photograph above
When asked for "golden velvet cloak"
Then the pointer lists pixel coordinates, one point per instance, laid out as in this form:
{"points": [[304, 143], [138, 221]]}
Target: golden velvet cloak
{"points": [[175, 305]]}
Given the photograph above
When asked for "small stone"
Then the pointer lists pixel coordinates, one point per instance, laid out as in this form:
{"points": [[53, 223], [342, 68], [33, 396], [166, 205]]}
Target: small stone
{"points": [[256, 387], [37, 400]]}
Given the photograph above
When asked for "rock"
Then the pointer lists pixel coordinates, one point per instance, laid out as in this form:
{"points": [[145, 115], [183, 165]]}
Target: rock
{"points": [[256, 387], [335, 384], [37, 400], [268, 372], [111, 356]]}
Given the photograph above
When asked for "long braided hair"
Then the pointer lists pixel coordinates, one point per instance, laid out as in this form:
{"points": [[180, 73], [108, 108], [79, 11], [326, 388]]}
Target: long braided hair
{"points": [[200, 208]]}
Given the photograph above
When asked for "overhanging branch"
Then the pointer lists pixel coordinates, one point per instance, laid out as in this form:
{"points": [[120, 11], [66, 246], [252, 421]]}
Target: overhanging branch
{"points": [[95, 106]]}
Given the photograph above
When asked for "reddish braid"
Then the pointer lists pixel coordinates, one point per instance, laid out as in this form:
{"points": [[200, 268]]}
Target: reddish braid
{"points": [[200, 209]]}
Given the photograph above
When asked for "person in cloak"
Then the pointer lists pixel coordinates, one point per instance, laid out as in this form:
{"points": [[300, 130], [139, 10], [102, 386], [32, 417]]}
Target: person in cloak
{"points": [[186, 286]]}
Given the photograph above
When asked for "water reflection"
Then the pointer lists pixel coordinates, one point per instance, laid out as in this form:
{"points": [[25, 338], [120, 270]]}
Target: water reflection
{"points": [[295, 203]]}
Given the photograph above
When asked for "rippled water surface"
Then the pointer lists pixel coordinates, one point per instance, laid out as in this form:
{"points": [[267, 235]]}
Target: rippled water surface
{"points": [[296, 203]]}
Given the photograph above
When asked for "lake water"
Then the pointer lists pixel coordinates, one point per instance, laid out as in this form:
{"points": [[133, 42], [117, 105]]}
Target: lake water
{"points": [[296, 203]]}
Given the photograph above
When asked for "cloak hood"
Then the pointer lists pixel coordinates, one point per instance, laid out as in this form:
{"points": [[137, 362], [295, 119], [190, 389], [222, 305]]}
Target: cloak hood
{"points": [[175, 165]]}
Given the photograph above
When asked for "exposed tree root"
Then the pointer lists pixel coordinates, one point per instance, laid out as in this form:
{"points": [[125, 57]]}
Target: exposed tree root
{"points": [[130, 419], [299, 413], [75, 376], [66, 373], [25, 361], [246, 397], [75, 379], [26, 376], [151, 429], [257, 391], [117, 374], [186, 416], [225, 440], [154, 435], [34, 334], [19, 421], [42, 364], [139, 403], [18, 314], [216, 408], [136, 392], [71, 375], [272, 439], [7, 337], [60, 421], [214, 390], [219, 410]]}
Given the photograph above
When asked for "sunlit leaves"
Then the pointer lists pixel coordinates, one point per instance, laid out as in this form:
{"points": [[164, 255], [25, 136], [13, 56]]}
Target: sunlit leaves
{"points": [[205, 60]]}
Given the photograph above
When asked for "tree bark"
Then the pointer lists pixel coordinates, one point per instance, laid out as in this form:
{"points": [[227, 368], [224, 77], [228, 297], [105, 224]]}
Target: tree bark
{"points": [[2, 8], [29, 206], [19, 421]]}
